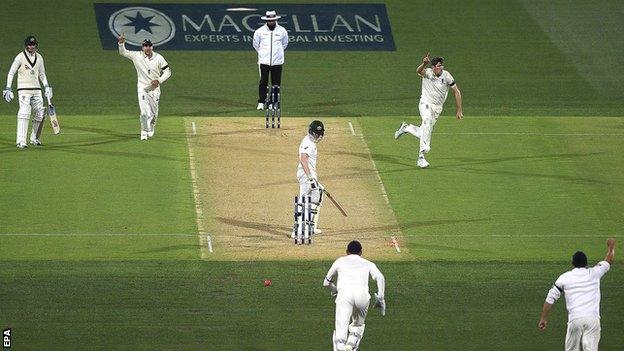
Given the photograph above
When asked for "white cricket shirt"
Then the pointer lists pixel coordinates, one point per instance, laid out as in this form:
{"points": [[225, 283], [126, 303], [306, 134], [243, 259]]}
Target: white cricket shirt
{"points": [[30, 69], [353, 272], [270, 44], [581, 287], [435, 88], [307, 146], [148, 68]]}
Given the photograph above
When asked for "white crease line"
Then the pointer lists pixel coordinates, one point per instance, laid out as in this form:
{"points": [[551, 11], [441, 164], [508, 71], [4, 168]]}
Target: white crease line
{"points": [[194, 128], [381, 184], [204, 238], [351, 127], [396, 244]]}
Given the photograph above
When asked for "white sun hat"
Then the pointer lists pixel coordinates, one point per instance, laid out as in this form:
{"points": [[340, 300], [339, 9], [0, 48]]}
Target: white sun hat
{"points": [[270, 16]]}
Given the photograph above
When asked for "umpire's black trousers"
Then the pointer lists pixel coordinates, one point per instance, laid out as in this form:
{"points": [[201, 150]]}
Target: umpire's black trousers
{"points": [[276, 79]]}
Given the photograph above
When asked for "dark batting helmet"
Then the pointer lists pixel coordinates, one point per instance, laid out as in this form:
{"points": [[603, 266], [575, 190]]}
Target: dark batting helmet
{"points": [[31, 40], [317, 129]]}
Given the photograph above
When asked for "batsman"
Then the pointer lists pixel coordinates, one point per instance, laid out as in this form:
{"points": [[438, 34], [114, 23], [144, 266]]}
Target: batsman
{"points": [[306, 170], [29, 67]]}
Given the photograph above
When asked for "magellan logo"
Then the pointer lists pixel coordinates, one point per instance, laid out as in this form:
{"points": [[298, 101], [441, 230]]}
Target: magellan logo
{"points": [[140, 23], [201, 26]]}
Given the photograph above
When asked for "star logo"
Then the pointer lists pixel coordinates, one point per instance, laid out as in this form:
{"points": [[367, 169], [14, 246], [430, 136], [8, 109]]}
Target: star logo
{"points": [[140, 23]]}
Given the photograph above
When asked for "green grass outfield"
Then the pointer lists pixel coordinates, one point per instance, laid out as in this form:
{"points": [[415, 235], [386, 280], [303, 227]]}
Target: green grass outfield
{"points": [[98, 241], [490, 226]]}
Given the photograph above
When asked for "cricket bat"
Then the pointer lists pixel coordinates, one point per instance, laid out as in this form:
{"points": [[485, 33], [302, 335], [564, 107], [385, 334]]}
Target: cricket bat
{"points": [[335, 202], [53, 120]]}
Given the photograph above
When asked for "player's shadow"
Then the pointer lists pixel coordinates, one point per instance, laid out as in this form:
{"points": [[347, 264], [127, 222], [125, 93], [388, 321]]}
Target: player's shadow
{"points": [[391, 159], [169, 249], [463, 162], [274, 230], [222, 105], [412, 224]]}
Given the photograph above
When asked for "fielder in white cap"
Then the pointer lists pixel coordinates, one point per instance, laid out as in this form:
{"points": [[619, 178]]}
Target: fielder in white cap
{"points": [[270, 41]]}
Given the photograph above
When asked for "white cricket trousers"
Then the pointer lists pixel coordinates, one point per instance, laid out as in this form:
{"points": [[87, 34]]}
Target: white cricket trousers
{"points": [[351, 310], [583, 331], [306, 190], [29, 101], [429, 114], [148, 104]]}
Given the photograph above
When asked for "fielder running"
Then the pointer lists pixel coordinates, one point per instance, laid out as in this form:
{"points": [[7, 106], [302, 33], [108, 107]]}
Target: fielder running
{"points": [[270, 41], [435, 86], [581, 287], [306, 171], [152, 71], [352, 296], [30, 69]]}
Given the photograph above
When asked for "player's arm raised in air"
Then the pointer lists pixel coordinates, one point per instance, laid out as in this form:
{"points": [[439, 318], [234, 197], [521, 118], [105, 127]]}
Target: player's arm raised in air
{"points": [[610, 250], [423, 64], [122, 47]]}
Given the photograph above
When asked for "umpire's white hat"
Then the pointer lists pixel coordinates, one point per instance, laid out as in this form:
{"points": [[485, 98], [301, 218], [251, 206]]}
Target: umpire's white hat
{"points": [[270, 16]]}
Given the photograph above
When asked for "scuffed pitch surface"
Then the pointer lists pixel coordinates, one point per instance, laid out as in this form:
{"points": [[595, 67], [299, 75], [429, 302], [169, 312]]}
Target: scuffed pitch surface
{"points": [[246, 177]]}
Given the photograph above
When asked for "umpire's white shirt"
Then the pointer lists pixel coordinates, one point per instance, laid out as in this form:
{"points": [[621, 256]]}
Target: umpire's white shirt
{"points": [[308, 147], [435, 88], [353, 272], [30, 69], [270, 44], [148, 68], [581, 287]]}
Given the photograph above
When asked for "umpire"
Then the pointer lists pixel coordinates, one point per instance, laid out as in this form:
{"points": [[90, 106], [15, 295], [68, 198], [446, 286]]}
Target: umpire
{"points": [[270, 41]]}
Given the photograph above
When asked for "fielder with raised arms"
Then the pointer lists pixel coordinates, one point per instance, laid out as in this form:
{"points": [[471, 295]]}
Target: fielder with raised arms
{"points": [[581, 288], [352, 296], [152, 70], [306, 170], [30, 69], [436, 82]]}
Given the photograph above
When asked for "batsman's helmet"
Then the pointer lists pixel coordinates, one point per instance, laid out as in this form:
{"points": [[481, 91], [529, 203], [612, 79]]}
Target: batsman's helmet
{"points": [[31, 40], [317, 129]]}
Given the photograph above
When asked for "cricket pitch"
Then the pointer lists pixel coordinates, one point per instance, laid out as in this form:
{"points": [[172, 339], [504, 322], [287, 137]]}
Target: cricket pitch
{"points": [[246, 180]]}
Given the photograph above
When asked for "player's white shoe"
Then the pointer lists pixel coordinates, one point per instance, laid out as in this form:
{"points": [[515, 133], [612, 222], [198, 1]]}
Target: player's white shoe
{"points": [[348, 348], [422, 163], [34, 141], [260, 106], [317, 231], [151, 132], [143, 135], [400, 131], [22, 145]]}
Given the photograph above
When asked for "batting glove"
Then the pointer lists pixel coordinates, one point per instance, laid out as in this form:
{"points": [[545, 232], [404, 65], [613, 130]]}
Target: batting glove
{"points": [[380, 303], [7, 94], [313, 183], [48, 92]]}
